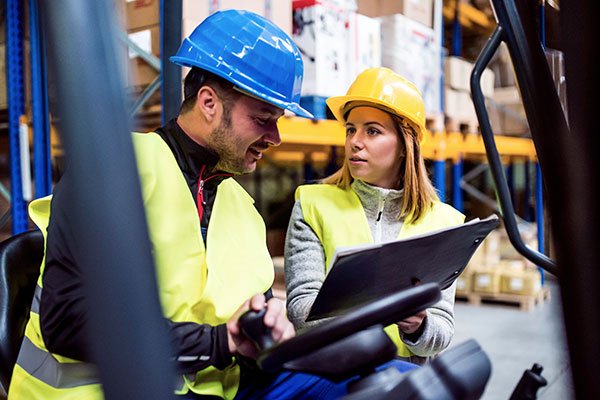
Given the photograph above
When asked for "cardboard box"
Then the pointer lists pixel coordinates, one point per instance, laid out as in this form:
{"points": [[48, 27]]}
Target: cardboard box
{"points": [[457, 75], [321, 34], [414, 51], [486, 255], [487, 280], [464, 283], [278, 11], [141, 13], [521, 282], [364, 45], [140, 72], [528, 233], [417, 10], [508, 115], [458, 105]]}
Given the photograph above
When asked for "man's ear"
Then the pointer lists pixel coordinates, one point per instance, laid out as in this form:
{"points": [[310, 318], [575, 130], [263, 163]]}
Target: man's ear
{"points": [[208, 103]]}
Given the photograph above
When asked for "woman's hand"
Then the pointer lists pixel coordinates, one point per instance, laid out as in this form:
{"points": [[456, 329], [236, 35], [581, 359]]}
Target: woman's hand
{"points": [[412, 324]]}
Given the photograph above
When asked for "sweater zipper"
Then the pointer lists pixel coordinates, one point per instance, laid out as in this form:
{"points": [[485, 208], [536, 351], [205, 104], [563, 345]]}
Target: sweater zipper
{"points": [[378, 220], [200, 194]]}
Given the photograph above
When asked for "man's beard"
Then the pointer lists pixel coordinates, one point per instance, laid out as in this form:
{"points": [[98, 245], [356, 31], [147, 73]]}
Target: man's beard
{"points": [[224, 142]]}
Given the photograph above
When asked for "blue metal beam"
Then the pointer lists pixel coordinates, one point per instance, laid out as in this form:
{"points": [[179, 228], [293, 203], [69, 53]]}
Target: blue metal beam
{"points": [[16, 108], [39, 100], [439, 178], [456, 33], [457, 194]]}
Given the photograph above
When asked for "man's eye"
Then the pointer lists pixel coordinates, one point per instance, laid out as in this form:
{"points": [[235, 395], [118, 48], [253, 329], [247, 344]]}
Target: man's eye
{"points": [[262, 121]]}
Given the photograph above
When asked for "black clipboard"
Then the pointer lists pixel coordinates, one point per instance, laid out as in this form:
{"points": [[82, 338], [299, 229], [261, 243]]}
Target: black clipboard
{"points": [[361, 274]]}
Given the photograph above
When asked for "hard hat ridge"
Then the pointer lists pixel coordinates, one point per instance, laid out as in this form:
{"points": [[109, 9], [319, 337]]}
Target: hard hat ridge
{"points": [[251, 52]]}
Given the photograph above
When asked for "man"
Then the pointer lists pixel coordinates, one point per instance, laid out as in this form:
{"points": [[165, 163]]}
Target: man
{"points": [[208, 240]]}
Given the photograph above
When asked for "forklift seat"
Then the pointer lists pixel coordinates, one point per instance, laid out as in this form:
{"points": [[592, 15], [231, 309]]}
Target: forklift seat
{"points": [[20, 259]]}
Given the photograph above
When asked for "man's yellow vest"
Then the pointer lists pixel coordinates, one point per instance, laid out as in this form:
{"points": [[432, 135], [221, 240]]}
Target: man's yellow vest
{"points": [[338, 219], [196, 284]]}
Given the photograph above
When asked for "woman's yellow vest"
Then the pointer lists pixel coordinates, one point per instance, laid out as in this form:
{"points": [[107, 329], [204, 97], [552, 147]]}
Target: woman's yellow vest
{"points": [[196, 284], [338, 219]]}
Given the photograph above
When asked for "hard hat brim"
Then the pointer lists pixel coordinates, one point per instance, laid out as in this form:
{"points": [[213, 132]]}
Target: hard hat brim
{"points": [[337, 106], [293, 107]]}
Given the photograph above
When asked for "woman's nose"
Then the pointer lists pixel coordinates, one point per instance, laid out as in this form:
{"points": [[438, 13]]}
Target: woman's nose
{"points": [[356, 140]]}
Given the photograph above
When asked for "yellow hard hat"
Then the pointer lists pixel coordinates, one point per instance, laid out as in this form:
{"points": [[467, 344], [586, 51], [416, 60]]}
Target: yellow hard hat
{"points": [[383, 88]]}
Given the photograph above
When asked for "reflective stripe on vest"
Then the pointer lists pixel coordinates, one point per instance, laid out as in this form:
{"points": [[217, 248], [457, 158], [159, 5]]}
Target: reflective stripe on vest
{"points": [[192, 292], [37, 297], [43, 366]]}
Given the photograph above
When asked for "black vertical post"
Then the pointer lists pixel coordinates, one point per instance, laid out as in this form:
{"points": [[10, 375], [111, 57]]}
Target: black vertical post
{"points": [[170, 39], [574, 196], [128, 336]]}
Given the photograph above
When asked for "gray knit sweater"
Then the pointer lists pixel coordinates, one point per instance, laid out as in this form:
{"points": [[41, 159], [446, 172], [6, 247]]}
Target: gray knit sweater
{"points": [[305, 269]]}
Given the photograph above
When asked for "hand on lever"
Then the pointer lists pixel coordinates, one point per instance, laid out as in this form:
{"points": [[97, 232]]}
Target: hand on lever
{"points": [[274, 318], [412, 324]]}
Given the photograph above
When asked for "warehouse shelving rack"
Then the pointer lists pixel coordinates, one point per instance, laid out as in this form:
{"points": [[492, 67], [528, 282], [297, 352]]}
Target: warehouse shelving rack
{"points": [[15, 71], [300, 136]]}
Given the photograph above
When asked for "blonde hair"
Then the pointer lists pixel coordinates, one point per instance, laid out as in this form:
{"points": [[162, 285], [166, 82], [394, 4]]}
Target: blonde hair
{"points": [[419, 193]]}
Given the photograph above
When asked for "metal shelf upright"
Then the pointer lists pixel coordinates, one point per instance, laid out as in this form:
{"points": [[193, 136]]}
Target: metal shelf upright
{"points": [[16, 108]]}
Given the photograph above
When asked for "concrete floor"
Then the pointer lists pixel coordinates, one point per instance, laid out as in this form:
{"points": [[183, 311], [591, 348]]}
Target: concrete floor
{"points": [[514, 340]]}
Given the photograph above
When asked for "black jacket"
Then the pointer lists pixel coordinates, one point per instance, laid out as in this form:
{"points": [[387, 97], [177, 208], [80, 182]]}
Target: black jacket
{"points": [[63, 312]]}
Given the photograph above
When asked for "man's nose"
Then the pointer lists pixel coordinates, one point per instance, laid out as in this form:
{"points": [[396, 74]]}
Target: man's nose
{"points": [[272, 135]]}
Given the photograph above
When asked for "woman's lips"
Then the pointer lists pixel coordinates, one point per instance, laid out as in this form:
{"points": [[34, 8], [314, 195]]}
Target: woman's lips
{"points": [[356, 160]]}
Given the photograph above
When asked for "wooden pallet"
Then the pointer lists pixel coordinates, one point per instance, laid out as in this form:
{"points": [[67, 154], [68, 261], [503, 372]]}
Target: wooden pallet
{"points": [[526, 303], [464, 125]]}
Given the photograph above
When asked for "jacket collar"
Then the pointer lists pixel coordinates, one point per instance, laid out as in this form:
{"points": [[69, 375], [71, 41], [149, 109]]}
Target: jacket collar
{"points": [[190, 155], [373, 197]]}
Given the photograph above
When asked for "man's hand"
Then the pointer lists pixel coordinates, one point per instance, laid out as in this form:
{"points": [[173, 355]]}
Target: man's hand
{"points": [[281, 328], [412, 324]]}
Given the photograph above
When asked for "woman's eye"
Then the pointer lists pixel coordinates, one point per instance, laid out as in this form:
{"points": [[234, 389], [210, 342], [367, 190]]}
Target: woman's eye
{"points": [[350, 131], [372, 131]]}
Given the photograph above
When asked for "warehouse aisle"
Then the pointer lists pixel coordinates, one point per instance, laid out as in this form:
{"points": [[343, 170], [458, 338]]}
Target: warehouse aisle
{"points": [[515, 340]]}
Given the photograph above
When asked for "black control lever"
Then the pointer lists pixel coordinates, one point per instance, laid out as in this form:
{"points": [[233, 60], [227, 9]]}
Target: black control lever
{"points": [[529, 384], [252, 325]]}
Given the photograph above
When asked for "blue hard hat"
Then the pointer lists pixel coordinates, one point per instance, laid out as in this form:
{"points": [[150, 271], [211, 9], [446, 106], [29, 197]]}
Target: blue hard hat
{"points": [[251, 52]]}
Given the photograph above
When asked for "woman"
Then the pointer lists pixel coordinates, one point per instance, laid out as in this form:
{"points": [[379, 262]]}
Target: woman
{"points": [[381, 193]]}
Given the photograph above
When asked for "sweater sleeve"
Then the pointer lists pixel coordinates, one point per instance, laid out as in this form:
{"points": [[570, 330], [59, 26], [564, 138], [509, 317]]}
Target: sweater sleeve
{"points": [[304, 268], [438, 329]]}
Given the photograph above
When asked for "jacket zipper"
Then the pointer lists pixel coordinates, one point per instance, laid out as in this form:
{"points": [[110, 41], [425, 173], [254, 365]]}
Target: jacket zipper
{"points": [[200, 194], [378, 220]]}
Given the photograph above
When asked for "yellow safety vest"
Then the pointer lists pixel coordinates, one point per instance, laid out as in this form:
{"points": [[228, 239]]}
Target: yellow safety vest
{"points": [[338, 219], [199, 285]]}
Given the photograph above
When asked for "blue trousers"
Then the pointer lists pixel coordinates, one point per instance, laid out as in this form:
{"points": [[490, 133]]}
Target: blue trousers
{"points": [[300, 386]]}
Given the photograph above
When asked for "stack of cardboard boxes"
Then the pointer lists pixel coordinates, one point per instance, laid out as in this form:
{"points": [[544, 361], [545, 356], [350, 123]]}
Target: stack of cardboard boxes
{"points": [[458, 105], [411, 43], [507, 115], [339, 39], [496, 269], [142, 24]]}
